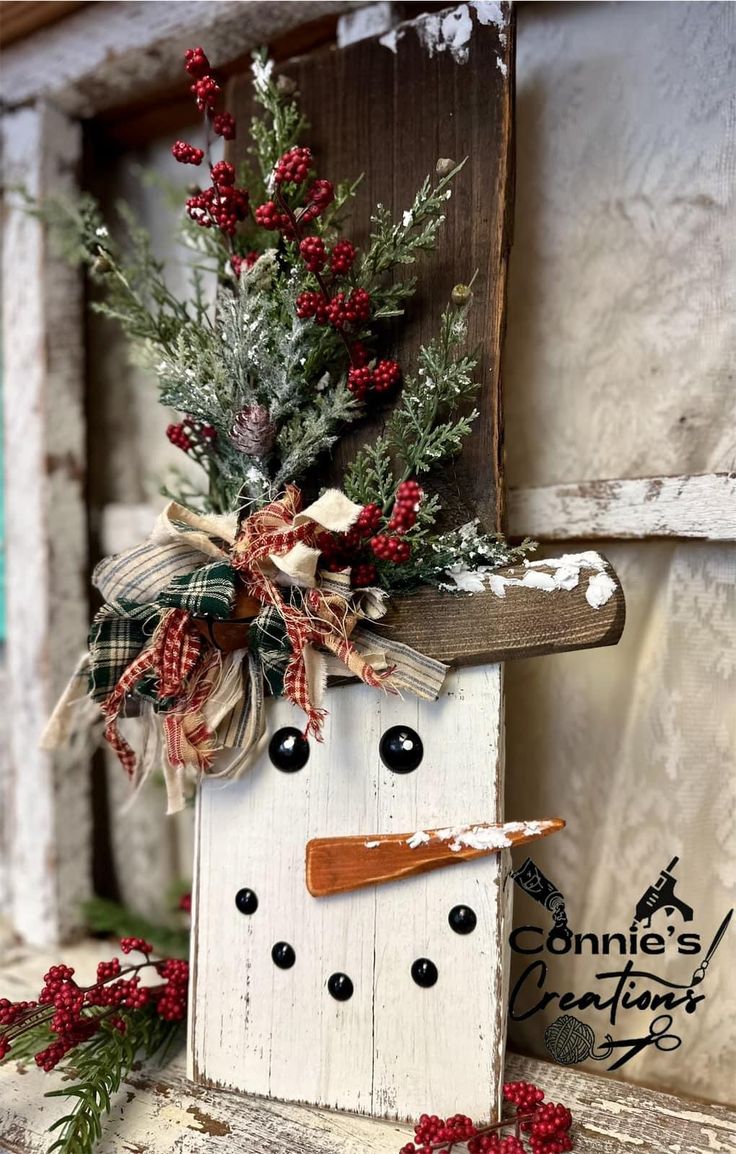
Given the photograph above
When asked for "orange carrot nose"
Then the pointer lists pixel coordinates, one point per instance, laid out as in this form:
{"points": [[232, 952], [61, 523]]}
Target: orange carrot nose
{"points": [[336, 865]]}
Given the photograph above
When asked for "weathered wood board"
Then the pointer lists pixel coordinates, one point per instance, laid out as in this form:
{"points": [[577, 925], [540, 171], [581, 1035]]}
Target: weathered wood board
{"points": [[388, 108], [699, 506], [46, 796], [158, 1110], [439, 86], [279, 1032]]}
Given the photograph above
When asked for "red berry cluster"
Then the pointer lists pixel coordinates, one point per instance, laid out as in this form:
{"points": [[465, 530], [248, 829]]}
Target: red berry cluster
{"points": [[387, 547], [128, 945], [187, 153], [206, 92], [381, 379], [342, 257], [75, 1013], [347, 550], [313, 252], [406, 506], [191, 436], [547, 1125], [293, 167], [223, 124], [289, 220], [222, 204]]}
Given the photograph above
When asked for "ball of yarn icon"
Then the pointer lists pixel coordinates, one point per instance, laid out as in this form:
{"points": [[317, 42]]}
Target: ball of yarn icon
{"points": [[569, 1040]]}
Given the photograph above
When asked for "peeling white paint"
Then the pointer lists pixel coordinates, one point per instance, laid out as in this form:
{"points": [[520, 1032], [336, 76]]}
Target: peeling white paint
{"points": [[447, 32]]}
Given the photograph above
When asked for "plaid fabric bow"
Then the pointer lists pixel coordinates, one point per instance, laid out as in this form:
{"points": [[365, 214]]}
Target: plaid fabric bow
{"points": [[195, 700]]}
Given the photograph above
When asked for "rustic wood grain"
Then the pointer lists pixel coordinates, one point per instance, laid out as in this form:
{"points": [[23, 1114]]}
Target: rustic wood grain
{"points": [[482, 627], [391, 115], [48, 795], [698, 506], [158, 1111], [336, 865], [19, 18]]}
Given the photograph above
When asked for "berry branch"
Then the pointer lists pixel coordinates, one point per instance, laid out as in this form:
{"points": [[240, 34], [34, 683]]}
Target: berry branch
{"points": [[544, 1125], [98, 1031]]}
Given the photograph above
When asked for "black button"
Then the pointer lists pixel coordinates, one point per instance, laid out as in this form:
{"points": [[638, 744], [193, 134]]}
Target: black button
{"points": [[424, 972], [462, 919], [401, 749], [246, 901], [288, 749], [340, 987], [283, 955]]}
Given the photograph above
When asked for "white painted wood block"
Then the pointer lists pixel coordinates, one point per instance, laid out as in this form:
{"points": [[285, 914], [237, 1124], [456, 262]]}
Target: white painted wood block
{"points": [[393, 1047], [47, 828]]}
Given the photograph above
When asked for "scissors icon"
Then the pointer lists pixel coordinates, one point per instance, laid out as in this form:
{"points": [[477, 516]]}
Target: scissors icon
{"points": [[658, 1036]]}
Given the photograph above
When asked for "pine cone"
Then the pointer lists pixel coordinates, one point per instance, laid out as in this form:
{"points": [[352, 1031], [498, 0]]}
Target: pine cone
{"points": [[253, 431]]}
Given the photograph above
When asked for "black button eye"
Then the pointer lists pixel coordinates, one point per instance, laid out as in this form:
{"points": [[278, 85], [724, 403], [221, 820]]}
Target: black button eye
{"points": [[246, 901], [424, 972], [340, 987], [401, 749], [288, 749], [283, 955], [462, 919]]}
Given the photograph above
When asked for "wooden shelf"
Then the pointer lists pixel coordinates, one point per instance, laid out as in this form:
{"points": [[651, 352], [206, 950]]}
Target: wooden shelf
{"points": [[159, 1110]]}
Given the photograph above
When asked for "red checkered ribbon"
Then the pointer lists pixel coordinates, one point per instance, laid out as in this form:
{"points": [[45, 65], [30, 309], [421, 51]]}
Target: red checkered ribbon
{"points": [[325, 621], [171, 657]]}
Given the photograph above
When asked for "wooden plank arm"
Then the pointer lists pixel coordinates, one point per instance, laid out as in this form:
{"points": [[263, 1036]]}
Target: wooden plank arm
{"points": [[480, 628]]}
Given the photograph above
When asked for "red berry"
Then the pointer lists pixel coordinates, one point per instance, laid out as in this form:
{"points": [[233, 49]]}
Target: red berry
{"points": [[363, 574], [223, 173], [268, 216], [196, 63], [223, 125], [205, 90], [127, 945], [369, 519], [342, 257], [360, 303], [311, 304], [360, 381], [312, 250], [186, 153], [386, 374], [293, 167], [321, 193]]}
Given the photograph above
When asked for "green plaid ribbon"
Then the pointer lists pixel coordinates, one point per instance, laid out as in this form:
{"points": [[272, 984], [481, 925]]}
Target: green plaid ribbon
{"points": [[268, 641], [123, 627], [119, 631], [207, 592]]}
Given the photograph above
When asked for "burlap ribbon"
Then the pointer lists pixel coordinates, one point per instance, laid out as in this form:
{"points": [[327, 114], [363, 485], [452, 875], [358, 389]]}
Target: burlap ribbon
{"points": [[198, 702]]}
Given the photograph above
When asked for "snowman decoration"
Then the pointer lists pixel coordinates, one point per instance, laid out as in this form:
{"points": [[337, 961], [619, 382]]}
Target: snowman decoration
{"points": [[353, 896]]}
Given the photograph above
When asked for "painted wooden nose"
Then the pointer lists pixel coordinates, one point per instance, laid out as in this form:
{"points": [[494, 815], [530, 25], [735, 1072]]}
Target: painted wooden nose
{"points": [[336, 865]]}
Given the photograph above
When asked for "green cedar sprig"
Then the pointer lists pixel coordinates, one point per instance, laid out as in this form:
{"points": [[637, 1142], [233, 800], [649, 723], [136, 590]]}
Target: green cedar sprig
{"points": [[99, 1066], [427, 426]]}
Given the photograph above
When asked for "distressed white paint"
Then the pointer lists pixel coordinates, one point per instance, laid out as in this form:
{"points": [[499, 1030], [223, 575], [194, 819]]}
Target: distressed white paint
{"points": [[702, 506], [371, 20], [108, 54], [279, 1033], [48, 823]]}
